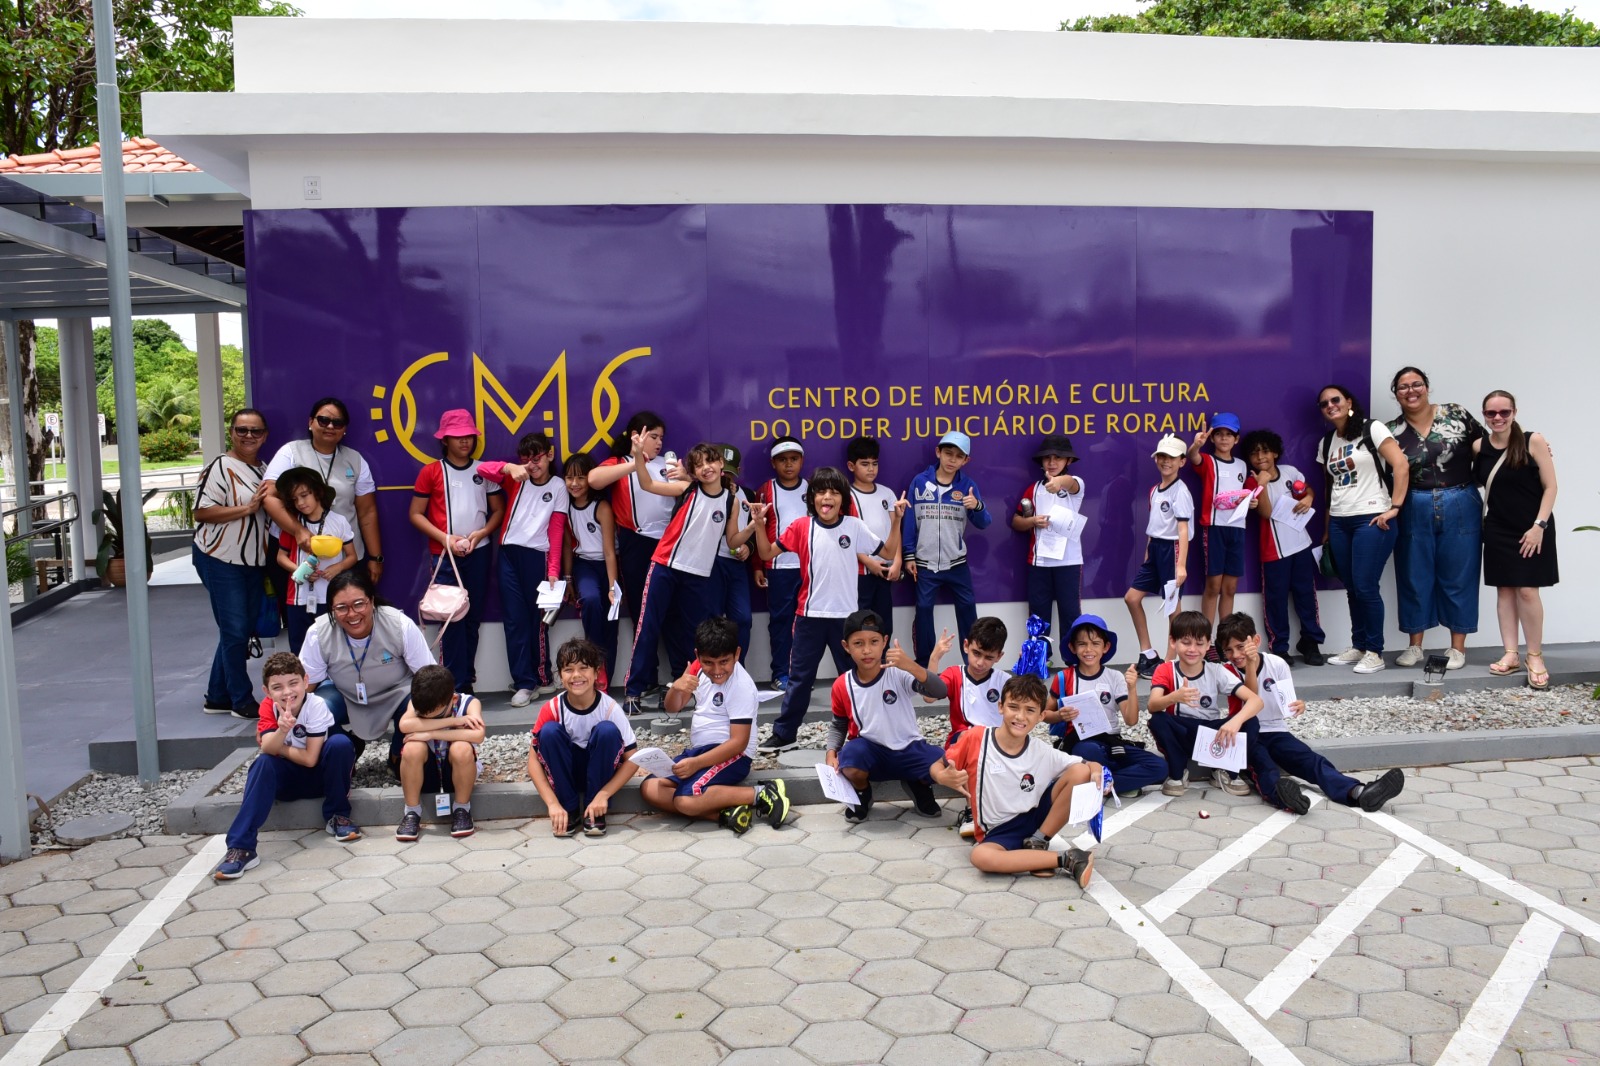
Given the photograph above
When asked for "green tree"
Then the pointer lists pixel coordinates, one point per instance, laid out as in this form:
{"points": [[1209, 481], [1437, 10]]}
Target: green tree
{"points": [[168, 403], [232, 380], [1393, 21]]}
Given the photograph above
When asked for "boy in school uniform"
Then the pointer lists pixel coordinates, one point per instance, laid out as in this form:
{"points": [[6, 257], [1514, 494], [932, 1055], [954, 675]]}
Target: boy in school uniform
{"points": [[1278, 752], [974, 690], [1089, 645], [707, 777], [304, 755], [578, 757], [1166, 556], [728, 593], [1188, 693], [784, 499], [874, 504], [943, 501], [1047, 512], [1287, 566], [1222, 517], [873, 735], [1019, 787], [435, 749]]}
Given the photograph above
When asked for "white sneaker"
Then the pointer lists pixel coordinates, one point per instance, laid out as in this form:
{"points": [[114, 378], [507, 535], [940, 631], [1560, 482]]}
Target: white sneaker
{"points": [[522, 697], [1348, 657], [1175, 786], [1458, 659], [1412, 656], [1233, 786], [1370, 663]]}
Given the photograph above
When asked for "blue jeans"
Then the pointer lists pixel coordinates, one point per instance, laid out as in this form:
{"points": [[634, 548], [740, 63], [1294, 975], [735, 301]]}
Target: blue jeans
{"points": [[876, 594], [522, 569], [1059, 587], [812, 636], [578, 774], [299, 622], [273, 777], [783, 600], [1360, 551], [1282, 579], [235, 593], [729, 597], [673, 608], [958, 579], [1436, 559], [594, 604], [459, 651]]}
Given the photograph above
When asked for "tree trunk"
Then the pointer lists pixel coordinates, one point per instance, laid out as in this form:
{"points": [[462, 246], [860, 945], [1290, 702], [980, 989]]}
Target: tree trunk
{"points": [[28, 395]]}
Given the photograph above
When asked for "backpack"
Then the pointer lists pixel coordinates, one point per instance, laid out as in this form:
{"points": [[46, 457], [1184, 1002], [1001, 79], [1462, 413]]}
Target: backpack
{"points": [[1385, 475]]}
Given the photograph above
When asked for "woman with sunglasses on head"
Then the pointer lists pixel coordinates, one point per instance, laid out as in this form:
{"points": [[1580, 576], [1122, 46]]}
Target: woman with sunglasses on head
{"points": [[355, 496], [230, 555], [1436, 557], [1518, 475], [1364, 500]]}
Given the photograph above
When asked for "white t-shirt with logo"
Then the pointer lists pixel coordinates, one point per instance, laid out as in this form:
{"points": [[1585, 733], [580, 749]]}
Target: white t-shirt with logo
{"points": [[717, 707], [1270, 676], [1215, 683], [972, 702], [314, 720], [1003, 786], [827, 554], [1168, 507], [1290, 539], [527, 523], [584, 522], [882, 711], [1060, 507]]}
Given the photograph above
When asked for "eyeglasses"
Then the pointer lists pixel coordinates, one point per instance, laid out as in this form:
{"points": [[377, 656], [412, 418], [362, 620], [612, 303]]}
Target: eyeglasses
{"points": [[1503, 413], [331, 423], [1411, 386], [353, 607], [249, 431], [1331, 401]]}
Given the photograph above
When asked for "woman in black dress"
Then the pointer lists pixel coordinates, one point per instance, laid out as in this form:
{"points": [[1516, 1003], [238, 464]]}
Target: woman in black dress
{"points": [[1518, 476]]}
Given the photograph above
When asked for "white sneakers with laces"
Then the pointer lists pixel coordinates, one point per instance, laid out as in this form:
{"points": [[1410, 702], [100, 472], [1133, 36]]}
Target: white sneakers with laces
{"points": [[1412, 656], [1348, 657], [1370, 663]]}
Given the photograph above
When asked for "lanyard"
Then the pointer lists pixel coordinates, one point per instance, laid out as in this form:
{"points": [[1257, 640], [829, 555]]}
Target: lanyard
{"points": [[358, 664]]}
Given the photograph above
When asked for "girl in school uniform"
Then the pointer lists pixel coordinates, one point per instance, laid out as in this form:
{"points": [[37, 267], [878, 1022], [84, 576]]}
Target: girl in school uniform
{"points": [[590, 561]]}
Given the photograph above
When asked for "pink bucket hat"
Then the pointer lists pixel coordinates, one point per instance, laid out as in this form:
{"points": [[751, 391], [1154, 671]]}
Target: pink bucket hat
{"points": [[456, 423]]}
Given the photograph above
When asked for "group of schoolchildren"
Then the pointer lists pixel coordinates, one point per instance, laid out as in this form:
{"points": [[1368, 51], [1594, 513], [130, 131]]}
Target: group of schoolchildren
{"points": [[849, 539]]}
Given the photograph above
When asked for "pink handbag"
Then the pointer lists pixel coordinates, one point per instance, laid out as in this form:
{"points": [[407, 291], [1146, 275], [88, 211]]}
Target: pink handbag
{"points": [[444, 603]]}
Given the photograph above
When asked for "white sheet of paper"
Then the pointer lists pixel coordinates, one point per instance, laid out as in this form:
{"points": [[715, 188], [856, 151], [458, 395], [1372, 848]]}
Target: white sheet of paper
{"points": [[1208, 753], [835, 787], [1071, 523], [1092, 719], [1087, 800], [616, 602], [1275, 704], [1049, 544], [1316, 555], [1169, 598], [1283, 511], [765, 694], [652, 761], [551, 594]]}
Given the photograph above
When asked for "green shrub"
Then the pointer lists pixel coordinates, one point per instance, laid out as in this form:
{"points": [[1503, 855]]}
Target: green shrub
{"points": [[166, 445]]}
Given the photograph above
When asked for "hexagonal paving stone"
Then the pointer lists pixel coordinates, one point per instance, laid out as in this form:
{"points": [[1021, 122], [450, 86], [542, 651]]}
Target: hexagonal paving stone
{"points": [[818, 964], [671, 1011], [898, 977], [914, 1015], [1104, 1043], [749, 988], [1004, 1028], [250, 964], [369, 991], [594, 997], [843, 1042], [1357, 1041], [385, 956], [828, 1001], [350, 1032], [1195, 1047], [437, 1046], [519, 984], [756, 1027], [259, 1051], [279, 1016], [212, 1001], [591, 1038], [310, 978], [181, 1043], [438, 1006], [518, 1024]]}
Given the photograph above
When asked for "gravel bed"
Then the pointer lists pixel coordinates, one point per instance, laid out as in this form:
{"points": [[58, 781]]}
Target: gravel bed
{"points": [[101, 793]]}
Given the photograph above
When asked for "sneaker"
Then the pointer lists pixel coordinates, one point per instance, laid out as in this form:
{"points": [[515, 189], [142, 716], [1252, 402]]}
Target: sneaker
{"points": [[235, 863], [772, 802], [1310, 654], [775, 743], [633, 707], [1175, 786], [1233, 786], [1375, 794], [1285, 655], [1146, 666], [738, 819], [244, 714], [1412, 656], [858, 812], [1370, 663], [1292, 796], [778, 684], [574, 819], [1078, 863], [461, 823], [594, 827], [522, 697], [410, 827], [1455, 660], [1348, 657], [923, 799], [343, 829], [1036, 842], [966, 828], [217, 708]]}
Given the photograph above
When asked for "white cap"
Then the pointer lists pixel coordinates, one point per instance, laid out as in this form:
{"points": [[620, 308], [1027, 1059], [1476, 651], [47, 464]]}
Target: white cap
{"points": [[1172, 446], [784, 447]]}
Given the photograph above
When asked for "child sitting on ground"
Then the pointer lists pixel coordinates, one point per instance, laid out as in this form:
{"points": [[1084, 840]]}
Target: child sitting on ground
{"points": [[578, 758], [1089, 644], [705, 781], [1189, 693], [1019, 787], [431, 756], [1277, 749]]}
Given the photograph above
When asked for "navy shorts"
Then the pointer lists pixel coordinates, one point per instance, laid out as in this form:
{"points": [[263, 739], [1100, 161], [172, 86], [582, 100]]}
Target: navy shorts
{"points": [[1160, 566], [1224, 551], [1010, 835], [731, 772], [910, 763]]}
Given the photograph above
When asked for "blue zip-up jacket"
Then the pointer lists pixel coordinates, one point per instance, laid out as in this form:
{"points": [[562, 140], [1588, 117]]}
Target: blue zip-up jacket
{"points": [[934, 528]]}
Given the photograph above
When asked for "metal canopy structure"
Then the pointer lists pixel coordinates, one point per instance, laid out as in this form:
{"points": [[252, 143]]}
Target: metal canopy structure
{"points": [[53, 264]]}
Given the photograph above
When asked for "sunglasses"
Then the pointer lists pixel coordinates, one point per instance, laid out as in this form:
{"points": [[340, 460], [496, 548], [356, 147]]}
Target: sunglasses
{"points": [[331, 423], [1505, 412], [249, 431], [1331, 401]]}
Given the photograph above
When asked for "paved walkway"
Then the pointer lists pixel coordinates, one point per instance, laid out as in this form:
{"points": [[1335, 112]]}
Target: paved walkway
{"points": [[1336, 938]]}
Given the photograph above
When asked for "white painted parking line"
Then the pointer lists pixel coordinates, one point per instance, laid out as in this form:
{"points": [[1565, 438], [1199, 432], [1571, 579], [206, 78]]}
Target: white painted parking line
{"points": [[51, 1029], [1491, 877], [1497, 1006], [1199, 879], [1298, 966]]}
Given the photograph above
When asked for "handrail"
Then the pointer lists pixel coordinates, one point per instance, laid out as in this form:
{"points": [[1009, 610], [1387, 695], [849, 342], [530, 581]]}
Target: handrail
{"points": [[61, 521]]}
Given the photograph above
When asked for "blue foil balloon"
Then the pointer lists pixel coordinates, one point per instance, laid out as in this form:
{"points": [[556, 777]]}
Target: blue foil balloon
{"points": [[1035, 657]]}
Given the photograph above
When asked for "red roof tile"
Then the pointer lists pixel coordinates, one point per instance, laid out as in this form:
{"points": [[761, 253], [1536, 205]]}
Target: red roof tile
{"points": [[140, 155]]}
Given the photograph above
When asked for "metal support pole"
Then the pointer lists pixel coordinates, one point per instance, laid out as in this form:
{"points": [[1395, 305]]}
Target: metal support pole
{"points": [[121, 305], [244, 349], [208, 357], [21, 491], [14, 842], [79, 412]]}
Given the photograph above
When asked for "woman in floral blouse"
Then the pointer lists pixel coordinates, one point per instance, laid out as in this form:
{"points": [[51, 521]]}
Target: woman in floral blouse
{"points": [[1441, 525]]}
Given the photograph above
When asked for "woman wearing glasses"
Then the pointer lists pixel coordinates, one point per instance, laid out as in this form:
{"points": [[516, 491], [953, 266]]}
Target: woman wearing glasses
{"points": [[354, 492], [361, 657], [1436, 557], [1518, 475], [1363, 507], [230, 555]]}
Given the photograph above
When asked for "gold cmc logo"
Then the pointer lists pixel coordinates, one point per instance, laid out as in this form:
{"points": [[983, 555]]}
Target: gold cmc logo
{"points": [[489, 395]]}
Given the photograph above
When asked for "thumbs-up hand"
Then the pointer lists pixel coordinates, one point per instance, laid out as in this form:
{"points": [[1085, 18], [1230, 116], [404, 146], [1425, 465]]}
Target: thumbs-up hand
{"points": [[896, 656]]}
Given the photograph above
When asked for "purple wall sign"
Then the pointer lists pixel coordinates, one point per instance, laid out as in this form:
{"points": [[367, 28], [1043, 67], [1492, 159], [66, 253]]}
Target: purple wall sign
{"points": [[742, 322]]}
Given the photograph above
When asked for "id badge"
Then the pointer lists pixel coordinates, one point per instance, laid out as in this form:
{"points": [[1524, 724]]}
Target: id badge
{"points": [[361, 692], [441, 804]]}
